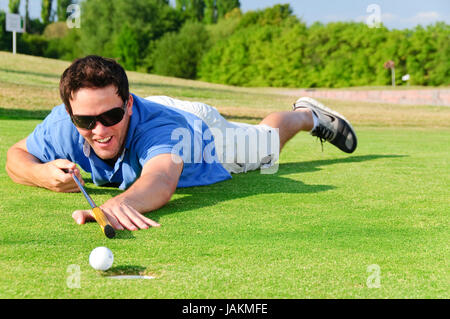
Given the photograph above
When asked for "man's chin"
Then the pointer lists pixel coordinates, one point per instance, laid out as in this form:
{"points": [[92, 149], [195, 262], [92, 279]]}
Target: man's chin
{"points": [[108, 153], [105, 155]]}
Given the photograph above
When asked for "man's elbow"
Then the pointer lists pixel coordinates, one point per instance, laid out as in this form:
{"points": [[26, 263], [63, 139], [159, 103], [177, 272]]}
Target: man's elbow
{"points": [[8, 166], [15, 164], [169, 191], [10, 174]]}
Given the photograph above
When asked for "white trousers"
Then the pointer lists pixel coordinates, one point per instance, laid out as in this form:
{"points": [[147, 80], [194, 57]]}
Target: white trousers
{"points": [[240, 147]]}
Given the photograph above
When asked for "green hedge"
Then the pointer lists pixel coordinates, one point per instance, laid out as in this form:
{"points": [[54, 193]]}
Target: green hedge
{"points": [[332, 55], [270, 47], [177, 54], [119, 29]]}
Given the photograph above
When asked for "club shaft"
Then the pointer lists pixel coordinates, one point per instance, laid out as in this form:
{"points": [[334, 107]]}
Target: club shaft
{"points": [[80, 186], [99, 216]]}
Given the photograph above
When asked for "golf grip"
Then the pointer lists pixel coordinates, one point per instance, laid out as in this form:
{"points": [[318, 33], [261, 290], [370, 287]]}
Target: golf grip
{"points": [[101, 219]]}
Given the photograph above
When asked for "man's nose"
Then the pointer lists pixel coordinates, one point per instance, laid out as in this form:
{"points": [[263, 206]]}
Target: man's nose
{"points": [[99, 128]]}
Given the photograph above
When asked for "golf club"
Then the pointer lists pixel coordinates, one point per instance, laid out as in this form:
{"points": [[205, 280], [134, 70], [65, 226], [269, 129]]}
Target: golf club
{"points": [[99, 216]]}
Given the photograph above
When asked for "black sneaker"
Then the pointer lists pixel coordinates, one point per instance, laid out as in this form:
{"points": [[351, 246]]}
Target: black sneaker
{"points": [[332, 126]]}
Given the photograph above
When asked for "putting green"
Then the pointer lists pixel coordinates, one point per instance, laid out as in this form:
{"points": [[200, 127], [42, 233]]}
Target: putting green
{"points": [[310, 230], [326, 225]]}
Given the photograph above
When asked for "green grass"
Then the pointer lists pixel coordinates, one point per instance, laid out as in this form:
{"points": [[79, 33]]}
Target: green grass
{"points": [[308, 231]]}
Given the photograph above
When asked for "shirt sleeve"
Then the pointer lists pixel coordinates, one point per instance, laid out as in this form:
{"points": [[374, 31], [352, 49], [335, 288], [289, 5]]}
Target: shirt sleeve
{"points": [[151, 146], [47, 139], [41, 145], [167, 139]]}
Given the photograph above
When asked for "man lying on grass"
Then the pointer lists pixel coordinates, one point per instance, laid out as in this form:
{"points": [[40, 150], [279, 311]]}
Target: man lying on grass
{"points": [[149, 147]]}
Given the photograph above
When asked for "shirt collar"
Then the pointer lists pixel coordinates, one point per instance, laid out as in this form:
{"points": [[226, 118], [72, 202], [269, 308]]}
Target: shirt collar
{"points": [[86, 148]]}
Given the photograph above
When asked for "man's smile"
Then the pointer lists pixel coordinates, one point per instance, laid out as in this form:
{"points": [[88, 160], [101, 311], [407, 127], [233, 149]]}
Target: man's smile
{"points": [[103, 140]]}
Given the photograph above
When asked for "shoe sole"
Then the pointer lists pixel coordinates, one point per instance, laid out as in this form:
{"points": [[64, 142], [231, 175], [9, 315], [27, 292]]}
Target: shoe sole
{"points": [[325, 109]]}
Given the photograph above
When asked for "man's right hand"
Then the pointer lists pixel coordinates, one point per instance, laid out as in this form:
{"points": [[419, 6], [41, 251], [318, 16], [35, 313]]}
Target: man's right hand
{"points": [[53, 177], [24, 168]]}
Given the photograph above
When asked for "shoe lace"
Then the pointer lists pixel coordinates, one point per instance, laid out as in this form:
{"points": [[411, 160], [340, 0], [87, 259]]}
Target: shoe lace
{"points": [[323, 134]]}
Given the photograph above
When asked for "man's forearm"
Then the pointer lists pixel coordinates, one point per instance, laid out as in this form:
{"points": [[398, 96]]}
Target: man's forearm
{"points": [[22, 167], [151, 191], [26, 169]]}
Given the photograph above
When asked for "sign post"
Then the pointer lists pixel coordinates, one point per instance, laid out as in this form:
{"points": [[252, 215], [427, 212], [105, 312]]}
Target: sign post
{"points": [[391, 65], [14, 23]]}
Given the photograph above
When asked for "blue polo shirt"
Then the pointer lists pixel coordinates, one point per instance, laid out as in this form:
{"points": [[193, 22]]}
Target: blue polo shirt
{"points": [[154, 129]]}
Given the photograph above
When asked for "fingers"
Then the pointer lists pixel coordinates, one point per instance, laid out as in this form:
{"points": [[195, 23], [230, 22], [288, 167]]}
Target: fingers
{"points": [[125, 220], [82, 216], [129, 218], [112, 219], [141, 220], [63, 182], [62, 171], [64, 164], [77, 173], [120, 216], [149, 221]]}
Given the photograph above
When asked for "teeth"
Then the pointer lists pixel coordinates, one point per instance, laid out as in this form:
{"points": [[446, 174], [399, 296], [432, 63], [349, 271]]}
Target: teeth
{"points": [[104, 140]]}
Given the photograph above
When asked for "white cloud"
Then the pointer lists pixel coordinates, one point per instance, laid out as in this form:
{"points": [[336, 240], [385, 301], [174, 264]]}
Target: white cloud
{"points": [[425, 17]]}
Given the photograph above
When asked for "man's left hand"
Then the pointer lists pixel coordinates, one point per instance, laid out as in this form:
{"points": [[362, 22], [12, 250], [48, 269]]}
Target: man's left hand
{"points": [[120, 215]]}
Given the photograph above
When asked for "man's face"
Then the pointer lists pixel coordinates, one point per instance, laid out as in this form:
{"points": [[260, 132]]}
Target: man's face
{"points": [[106, 141]]}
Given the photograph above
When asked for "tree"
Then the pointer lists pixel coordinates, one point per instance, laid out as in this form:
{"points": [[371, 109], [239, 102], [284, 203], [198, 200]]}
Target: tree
{"points": [[180, 5], [5, 37], [61, 10], [46, 11], [14, 6], [193, 9], [275, 15], [147, 20], [439, 65], [210, 12], [225, 6], [207, 11], [178, 54], [127, 48]]}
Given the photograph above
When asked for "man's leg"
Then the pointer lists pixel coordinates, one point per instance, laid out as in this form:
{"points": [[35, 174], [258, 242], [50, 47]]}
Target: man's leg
{"points": [[289, 123], [311, 115]]}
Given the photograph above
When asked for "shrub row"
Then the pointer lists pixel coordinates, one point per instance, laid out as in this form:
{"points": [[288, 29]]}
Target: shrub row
{"points": [[268, 47]]}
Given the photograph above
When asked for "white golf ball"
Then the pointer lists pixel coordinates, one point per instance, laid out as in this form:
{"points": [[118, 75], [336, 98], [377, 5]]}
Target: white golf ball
{"points": [[101, 258]]}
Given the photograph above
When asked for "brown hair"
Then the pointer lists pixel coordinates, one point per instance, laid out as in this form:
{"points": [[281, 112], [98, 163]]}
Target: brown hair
{"points": [[92, 71]]}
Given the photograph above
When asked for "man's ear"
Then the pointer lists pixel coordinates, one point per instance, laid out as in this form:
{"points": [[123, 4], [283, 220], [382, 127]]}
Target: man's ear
{"points": [[130, 105]]}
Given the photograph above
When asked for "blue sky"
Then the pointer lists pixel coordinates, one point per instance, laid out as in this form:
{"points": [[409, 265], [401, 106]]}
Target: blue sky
{"points": [[397, 14]]}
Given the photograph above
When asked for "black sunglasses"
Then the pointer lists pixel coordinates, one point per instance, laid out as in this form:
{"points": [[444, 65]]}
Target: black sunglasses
{"points": [[108, 118]]}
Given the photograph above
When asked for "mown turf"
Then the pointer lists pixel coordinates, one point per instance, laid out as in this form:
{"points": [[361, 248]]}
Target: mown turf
{"points": [[309, 231]]}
